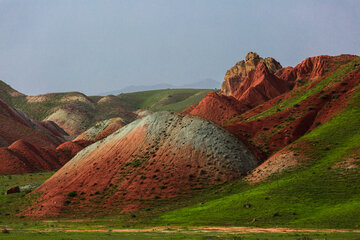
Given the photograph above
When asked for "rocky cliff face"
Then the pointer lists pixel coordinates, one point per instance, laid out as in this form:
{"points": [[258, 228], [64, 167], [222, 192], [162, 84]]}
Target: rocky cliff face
{"points": [[236, 75], [260, 86]]}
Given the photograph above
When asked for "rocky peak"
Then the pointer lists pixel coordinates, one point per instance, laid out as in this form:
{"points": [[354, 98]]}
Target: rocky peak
{"points": [[259, 86], [236, 75], [252, 57]]}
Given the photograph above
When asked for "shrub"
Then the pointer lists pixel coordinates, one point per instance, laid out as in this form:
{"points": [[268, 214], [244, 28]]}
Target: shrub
{"points": [[324, 96], [72, 194], [317, 124]]}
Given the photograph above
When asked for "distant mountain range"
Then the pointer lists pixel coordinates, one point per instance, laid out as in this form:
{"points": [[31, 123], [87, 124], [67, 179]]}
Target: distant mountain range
{"points": [[208, 83]]}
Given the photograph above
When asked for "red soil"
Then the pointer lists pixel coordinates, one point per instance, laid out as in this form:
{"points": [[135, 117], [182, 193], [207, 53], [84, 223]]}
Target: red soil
{"points": [[108, 130], [71, 148], [23, 157], [15, 125], [11, 131], [217, 107]]}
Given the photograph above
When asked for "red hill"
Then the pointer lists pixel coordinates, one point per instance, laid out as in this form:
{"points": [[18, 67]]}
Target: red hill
{"points": [[159, 156], [16, 125], [216, 107], [23, 157]]}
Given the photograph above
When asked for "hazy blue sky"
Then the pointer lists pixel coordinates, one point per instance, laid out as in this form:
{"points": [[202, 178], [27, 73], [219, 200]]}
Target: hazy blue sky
{"points": [[98, 46]]}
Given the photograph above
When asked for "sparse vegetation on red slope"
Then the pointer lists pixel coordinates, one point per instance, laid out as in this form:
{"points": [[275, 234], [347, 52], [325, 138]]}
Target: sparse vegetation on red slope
{"points": [[298, 111], [158, 157]]}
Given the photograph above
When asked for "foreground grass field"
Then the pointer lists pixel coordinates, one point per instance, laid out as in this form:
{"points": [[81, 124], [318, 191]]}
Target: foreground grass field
{"points": [[13, 203], [15, 235]]}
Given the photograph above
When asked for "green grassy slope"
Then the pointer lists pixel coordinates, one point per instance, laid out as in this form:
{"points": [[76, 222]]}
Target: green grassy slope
{"points": [[7, 93], [165, 99], [13, 203], [324, 192]]}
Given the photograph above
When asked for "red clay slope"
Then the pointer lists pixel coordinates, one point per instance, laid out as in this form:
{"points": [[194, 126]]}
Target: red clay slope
{"points": [[16, 125], [17, 155], [159, 156], [216, 107], [23, 157]]}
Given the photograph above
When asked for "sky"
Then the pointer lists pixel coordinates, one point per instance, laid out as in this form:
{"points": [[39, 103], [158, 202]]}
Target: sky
{"points": [[95, 46]]}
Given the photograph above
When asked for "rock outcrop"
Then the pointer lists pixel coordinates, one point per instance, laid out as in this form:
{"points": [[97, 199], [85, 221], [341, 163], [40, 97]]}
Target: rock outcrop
{"points": [[12, 190], [236, 75], [259, 86]]}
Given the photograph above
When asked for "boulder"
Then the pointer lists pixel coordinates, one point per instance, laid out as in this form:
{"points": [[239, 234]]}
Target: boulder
{"points": [[14, 189]]}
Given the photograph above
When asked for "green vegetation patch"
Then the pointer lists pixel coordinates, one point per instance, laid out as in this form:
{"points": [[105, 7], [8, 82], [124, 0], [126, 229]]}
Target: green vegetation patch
{"points": [[14, 203], [165, 99]]}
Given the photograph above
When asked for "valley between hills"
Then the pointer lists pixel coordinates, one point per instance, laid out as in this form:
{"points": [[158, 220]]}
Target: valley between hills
{"points": [[274, 153]]}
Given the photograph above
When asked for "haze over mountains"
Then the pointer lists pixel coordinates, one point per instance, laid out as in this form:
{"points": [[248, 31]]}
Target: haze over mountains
{"points": [[207, 83]]}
